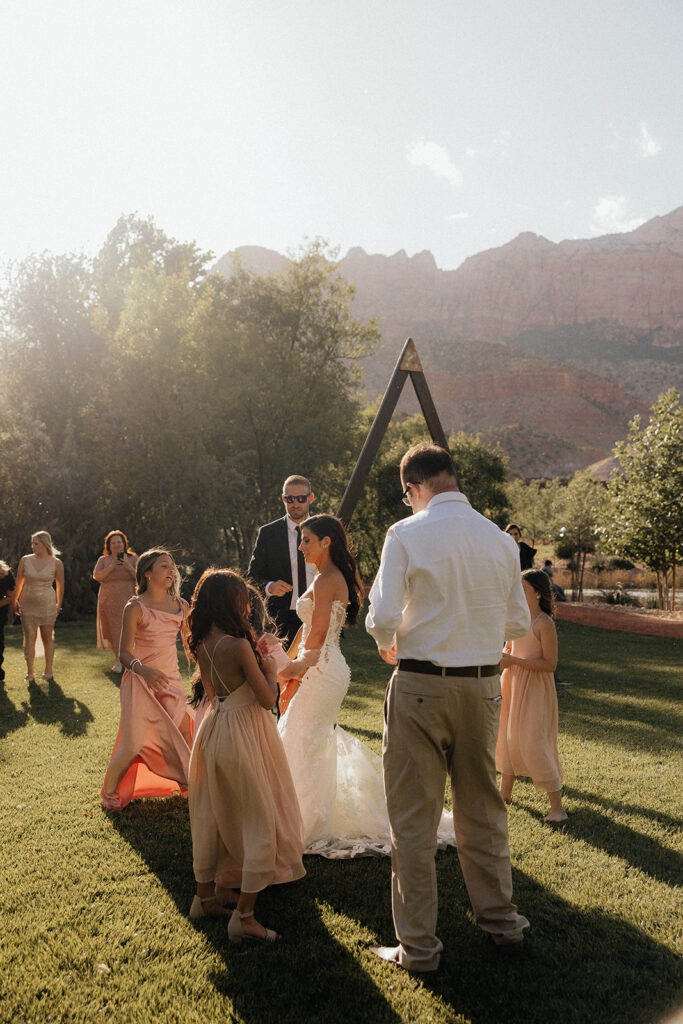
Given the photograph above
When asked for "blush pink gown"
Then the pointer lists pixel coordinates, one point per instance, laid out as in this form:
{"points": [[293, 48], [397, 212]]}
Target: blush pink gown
{"points": [[114, 594], [150, 756], [246, 826], [527, 734]]}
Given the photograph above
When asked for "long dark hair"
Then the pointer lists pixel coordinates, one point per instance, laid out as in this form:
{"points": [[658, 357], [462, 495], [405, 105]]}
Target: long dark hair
{"points": [[540, 581], [259, 616], [221, 599], [342, 557]]}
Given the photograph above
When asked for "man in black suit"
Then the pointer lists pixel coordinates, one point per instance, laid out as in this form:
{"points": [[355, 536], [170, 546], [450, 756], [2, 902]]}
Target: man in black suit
{"points": [[276, 562]]}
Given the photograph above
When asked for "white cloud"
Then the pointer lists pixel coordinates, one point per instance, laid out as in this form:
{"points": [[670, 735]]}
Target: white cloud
{"points": [[471, 152], [423, 153], [609, 217], [647, 144], [463, 215]]}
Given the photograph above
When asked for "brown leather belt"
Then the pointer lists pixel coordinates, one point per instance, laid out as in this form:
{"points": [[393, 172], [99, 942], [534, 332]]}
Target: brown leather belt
{"points": [[430, 669]]}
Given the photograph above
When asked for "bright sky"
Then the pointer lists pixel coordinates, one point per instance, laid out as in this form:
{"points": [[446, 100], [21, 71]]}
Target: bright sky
{"points": [[449, 125]]}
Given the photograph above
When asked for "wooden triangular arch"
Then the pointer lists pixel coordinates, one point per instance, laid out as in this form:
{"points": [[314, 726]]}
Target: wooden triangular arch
{"points": [[408, 365]]}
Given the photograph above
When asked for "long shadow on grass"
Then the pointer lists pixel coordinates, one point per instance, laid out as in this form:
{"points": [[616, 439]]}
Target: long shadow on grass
{"points": [[54, 706], [617, 840], [11, 718], [575, 966], [619, 805], [308, 976], [601, 714]]}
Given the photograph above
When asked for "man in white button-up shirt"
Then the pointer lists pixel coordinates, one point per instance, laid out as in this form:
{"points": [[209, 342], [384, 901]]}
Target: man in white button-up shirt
{"points": [[447, 595]]}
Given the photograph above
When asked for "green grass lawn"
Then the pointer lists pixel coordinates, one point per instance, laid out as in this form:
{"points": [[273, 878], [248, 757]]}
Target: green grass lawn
{"points": [[94, 908]]}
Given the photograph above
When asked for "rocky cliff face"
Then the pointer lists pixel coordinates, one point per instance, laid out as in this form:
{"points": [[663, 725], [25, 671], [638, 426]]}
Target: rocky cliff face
{"points": [[634, 281], [492, 333]]}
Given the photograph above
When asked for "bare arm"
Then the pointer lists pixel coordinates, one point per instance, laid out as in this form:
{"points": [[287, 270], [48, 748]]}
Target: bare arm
{"points": [[101, 572], [547, 634], [325, 591], [19, 585], [131, 617], [59, 583], [262, 681]]}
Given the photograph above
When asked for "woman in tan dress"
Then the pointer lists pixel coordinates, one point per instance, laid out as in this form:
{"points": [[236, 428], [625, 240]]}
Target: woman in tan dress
{"points": [[115, 573], [246, 826], [527, 734], [38, 599]]}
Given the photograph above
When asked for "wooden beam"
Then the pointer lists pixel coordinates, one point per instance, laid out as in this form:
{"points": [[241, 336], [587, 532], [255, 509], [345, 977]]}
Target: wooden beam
{"points": [[408, 365]]}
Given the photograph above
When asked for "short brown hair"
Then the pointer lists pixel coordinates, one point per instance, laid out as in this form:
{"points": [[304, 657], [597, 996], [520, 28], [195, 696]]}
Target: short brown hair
{"points": [[300, 481], [423, 462]]}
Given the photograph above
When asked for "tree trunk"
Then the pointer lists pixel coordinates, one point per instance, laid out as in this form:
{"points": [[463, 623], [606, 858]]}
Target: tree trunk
{"points": [[659, 590]]}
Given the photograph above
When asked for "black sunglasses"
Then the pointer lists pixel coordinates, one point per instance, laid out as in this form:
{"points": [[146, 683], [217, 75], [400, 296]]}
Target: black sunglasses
{"points": [[301, 498], [404, 497]]}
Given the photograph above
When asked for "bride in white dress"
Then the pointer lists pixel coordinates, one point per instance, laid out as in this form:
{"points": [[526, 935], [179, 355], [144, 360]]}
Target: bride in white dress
{"points": [[338, 779]]}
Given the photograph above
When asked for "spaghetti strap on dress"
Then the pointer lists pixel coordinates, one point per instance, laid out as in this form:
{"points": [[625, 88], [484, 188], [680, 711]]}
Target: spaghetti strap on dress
{"points": [[244, 814], [150, 746]]}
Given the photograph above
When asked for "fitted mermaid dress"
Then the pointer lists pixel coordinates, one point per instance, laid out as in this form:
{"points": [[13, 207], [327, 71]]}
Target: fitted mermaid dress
{"points": [[338, 779]]}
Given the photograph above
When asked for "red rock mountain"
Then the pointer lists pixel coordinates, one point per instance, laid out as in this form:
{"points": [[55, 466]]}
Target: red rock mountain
{"points": [[548, 348]]}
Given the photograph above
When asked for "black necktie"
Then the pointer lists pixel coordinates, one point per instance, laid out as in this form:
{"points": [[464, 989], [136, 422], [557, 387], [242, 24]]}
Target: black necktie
{"points": [[300, 564]]}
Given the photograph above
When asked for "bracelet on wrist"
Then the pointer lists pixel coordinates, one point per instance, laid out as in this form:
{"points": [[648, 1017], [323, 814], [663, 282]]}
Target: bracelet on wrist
{"points": [[135, 661]]}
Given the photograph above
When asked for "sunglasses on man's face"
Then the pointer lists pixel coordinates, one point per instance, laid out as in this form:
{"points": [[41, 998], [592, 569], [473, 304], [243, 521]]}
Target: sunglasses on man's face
{"points": [[301, 498]]}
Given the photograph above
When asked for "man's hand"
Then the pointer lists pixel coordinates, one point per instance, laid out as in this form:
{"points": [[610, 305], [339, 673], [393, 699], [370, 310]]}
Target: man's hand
{"points": [[388, 656], [280, 588]]}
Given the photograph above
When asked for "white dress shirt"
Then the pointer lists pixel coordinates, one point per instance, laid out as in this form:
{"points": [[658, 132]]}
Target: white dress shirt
{"points": [[293, 558], [449, 588]]}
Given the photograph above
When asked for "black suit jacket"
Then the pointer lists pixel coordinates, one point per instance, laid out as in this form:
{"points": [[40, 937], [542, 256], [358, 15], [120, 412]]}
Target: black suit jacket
{"points": [[270, 561]]}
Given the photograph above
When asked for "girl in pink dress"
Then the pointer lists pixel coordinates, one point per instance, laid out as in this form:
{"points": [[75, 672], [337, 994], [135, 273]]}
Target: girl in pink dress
{"points": [[152, 750], [246, 826], [527, 735], [115, 573]]}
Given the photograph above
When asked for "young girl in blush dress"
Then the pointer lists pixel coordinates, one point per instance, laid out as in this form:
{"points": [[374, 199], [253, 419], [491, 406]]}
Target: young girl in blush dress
{"points": [[152, 750], [246, 826], [527, 735]]}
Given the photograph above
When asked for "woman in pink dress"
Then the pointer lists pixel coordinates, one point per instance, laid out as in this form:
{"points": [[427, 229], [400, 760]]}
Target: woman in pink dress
{"points": [[115, 573], [246, 826], [527, 734], [152, 750]]}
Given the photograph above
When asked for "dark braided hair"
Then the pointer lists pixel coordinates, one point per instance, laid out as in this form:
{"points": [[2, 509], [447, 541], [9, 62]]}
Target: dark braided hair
{"points": [[342, 557], [540, 581], [221, 599]]}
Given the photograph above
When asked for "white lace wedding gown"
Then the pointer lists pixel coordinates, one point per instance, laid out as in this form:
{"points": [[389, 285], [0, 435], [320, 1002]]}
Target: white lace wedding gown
{"points": [[338, 779]]}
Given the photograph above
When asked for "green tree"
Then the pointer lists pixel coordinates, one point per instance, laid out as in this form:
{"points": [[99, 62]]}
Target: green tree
{"points": [[481, 472], [644, 517], [576, 512], [282, 353]]}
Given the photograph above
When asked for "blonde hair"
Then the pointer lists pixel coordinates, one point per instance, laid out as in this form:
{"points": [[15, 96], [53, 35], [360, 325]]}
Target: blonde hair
{"points": [[44, 537], [4, 568]]}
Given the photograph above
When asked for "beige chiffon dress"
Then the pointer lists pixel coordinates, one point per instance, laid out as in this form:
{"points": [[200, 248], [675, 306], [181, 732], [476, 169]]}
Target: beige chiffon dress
{"points": [[527, 734], [244, 814]]}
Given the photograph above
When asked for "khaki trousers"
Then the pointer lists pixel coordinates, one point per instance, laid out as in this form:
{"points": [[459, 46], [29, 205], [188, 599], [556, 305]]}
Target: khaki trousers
{"points": [[437, 726]]}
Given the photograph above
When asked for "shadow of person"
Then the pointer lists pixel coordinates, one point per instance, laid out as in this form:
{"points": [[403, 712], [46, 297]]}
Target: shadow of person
{"points": [[619, 840], [576, 964], [48, 704], [11, 718], [297, 978]]}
